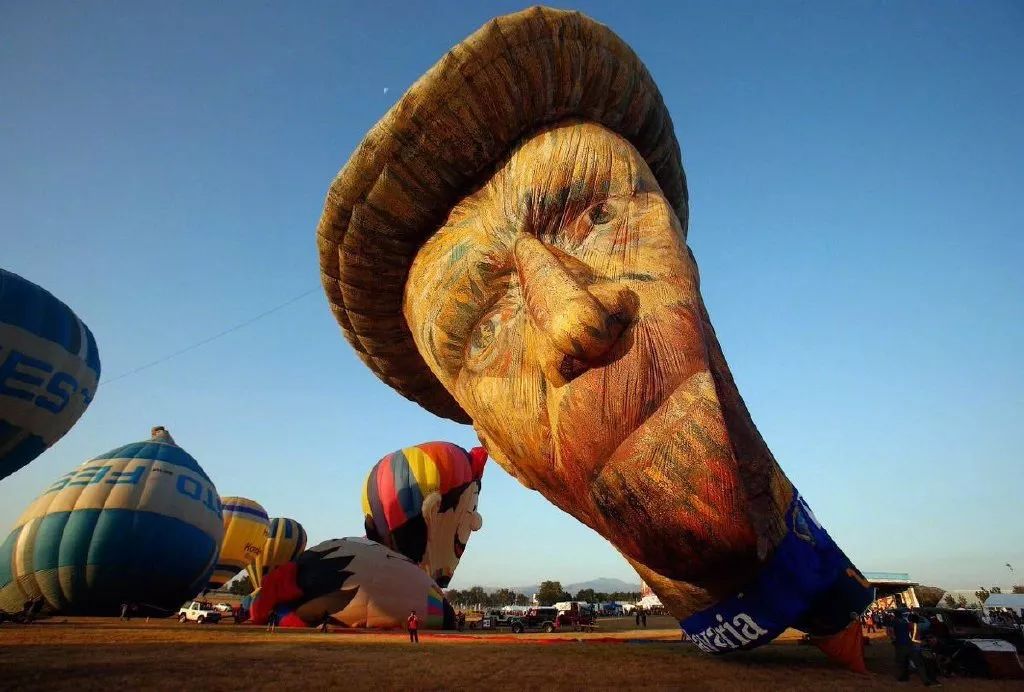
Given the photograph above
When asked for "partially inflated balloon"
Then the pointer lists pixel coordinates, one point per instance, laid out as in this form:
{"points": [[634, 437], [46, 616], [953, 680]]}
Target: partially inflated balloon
{"points": [[140, 524], [422, 502], [352, 582], [49, 368], [533, 235], [286, 539], [245, 533]]}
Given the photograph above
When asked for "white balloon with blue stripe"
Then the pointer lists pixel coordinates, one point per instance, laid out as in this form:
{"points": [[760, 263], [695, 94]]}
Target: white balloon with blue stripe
{"points": [[49, 369], [141, 524]]}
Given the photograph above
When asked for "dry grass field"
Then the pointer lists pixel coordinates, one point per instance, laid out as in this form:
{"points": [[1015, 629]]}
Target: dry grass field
{"points": [[95, 653]]}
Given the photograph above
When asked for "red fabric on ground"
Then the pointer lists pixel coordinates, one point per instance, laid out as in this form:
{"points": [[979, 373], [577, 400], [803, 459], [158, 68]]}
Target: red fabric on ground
{"points": [[846, 648], [292, 620], [278, 587]]}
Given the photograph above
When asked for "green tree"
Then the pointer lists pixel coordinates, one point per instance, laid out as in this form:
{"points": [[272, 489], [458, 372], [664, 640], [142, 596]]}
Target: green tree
{"points": [[982, 593], [1019, 588], [522, 599], [995, 589], [586, 595], [961, 601], [504, 597], [950, 600], [240, 587], [477, 596], [550, 593]]}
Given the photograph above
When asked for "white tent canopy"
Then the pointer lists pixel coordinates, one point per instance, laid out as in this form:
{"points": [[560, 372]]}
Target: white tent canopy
{"points": [[970, 597], [1013, 601]]}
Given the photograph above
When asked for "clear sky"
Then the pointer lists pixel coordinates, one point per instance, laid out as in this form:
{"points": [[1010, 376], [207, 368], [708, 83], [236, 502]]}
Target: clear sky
{"points": [[856, 178]]}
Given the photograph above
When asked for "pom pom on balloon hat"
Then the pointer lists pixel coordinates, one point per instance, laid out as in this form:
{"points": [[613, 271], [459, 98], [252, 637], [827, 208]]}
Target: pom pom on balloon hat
{"points": [[477, 461]]}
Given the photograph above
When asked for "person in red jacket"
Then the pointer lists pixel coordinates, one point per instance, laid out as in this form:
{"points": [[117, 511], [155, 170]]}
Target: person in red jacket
{"points": [[413, 623]]}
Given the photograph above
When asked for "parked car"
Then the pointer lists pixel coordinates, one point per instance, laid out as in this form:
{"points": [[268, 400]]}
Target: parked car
{"points": [[964, 645], [223, 608], [967, 624], [200, 612], [576, 620], [610, 610], [540, 618], [493, 619]]}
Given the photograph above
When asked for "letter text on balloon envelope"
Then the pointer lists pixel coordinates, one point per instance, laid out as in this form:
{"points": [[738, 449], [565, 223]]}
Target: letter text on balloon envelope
{"points": [[41, 379], [185, 484]]}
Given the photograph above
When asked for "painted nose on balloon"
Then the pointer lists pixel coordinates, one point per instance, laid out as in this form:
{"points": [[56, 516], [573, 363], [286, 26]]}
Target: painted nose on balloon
{"points": [[575, 322]]}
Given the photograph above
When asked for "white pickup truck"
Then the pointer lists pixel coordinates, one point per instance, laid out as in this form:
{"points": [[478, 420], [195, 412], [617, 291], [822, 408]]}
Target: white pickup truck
{"points": [[199, 611]]}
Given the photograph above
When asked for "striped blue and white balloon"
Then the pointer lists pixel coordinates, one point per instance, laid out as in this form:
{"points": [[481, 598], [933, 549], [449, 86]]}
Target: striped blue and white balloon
{"points": [[49, 369], [141, 524]]}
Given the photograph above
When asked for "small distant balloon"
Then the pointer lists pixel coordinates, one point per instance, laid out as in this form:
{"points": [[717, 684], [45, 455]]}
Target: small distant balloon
{"points": [[286, 539], [385, 91], [245, 534]]}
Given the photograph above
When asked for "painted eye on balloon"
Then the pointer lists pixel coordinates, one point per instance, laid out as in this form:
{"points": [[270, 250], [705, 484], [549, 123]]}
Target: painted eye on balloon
{"points": [[483, 337], [606, 212], [601, 213]]}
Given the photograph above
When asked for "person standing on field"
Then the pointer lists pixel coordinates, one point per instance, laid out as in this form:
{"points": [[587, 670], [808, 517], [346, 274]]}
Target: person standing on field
{"points": [[413, 623], [907, 650]]}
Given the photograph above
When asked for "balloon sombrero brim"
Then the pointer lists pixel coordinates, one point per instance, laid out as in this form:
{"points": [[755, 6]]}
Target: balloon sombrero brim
{"points": [[442, 139]]}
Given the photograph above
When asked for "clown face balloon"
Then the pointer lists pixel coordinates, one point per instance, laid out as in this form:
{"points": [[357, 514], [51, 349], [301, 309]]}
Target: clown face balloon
{"points": [[422, 502]]}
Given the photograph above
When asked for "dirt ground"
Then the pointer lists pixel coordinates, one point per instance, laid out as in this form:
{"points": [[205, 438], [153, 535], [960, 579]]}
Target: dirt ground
{"points": [[97, 653]]}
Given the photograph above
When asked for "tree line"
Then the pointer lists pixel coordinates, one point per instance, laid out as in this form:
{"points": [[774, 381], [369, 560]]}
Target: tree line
{"points": [[960, 601], [549, 593]]}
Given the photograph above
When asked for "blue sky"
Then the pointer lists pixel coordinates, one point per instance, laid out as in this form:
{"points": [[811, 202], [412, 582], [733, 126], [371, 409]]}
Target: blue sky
{"points": [[855, 174]]}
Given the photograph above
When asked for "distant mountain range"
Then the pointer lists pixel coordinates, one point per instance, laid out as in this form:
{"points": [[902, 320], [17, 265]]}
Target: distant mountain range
{"points": [[599, 585]]}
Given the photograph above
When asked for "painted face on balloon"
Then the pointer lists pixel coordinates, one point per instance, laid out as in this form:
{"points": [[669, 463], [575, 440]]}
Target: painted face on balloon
{"points": [[450, 520], [560, 306]]}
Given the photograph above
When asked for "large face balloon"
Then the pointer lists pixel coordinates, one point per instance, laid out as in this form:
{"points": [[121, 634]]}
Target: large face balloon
{"points": [[286, 539], [422, 502], [353, 582], [140, 524], [49, 368], [527, 195], [245, 534]]}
